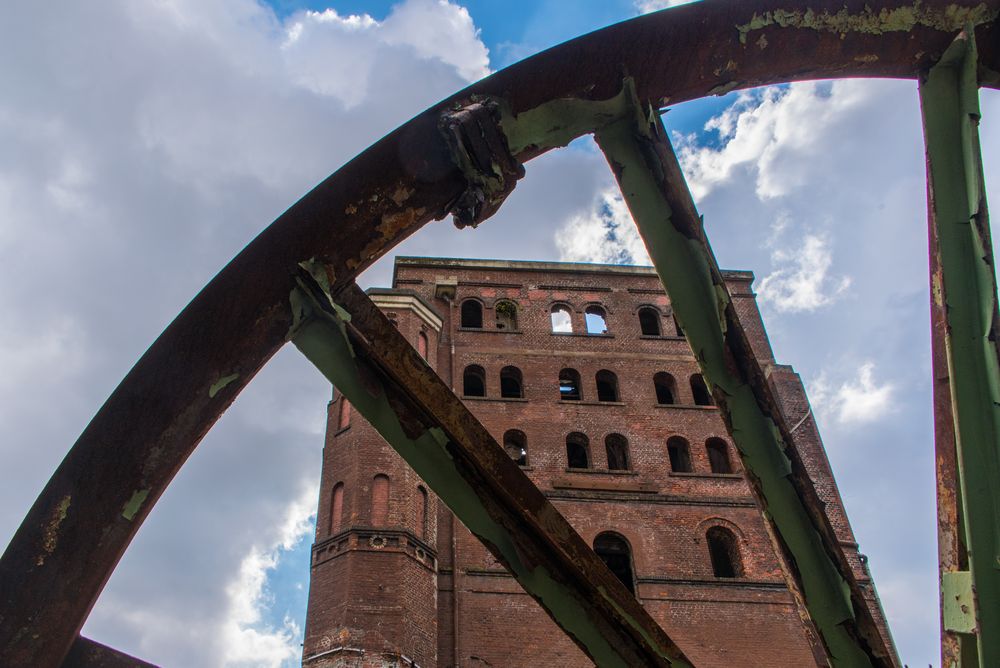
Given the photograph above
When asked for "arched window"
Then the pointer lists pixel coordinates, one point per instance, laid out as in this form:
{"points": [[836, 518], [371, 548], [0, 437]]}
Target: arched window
{"points": [[596, 320], [677, 326], [724, 553], [569, 385], [680, 454], [422, 344], [616, 446], [702, 397], [616, 554], [422, 506], [472, 314], [607, 386], [344, 419], [474, 381], [649, 321], [562, 319], [511, 386], [666, 388], [380, 500], [506, 315], [515, 443], [718, 455], [337, 507], [577, 451]]}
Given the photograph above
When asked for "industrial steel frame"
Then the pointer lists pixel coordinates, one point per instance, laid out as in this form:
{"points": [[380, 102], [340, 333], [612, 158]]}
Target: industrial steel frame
{"points": [[464, 156]]}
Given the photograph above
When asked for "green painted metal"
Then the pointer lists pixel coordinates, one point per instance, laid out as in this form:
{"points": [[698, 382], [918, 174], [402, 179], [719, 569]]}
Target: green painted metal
{"points": [[958, 602], [966, 285], [646, 169]]}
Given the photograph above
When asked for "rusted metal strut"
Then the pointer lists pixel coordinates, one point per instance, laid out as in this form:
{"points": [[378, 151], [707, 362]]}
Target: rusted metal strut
{"points": [[69, 543]]}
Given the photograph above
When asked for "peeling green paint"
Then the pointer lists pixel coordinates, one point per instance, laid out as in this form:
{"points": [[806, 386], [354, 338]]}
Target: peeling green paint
{"points": [[133, 505], [50, 535], [220, 384], [950, 18]]}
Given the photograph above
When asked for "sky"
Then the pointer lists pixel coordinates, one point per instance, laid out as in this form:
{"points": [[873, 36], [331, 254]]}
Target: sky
{"points": [[144, 144]]}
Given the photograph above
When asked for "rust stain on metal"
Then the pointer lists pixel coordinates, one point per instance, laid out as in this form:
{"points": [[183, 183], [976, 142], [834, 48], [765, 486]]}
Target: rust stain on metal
{"points": [[50, 534]]}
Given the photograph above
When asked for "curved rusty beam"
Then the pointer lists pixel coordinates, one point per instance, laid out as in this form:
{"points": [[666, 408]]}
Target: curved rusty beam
{"points": [[69, 543]]}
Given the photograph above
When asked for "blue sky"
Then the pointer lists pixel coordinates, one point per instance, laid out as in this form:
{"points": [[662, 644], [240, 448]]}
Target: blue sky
{"points": [[146, 143]]}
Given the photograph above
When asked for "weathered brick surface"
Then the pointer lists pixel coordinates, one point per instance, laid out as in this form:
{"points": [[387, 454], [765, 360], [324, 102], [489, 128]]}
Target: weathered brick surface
{"points": [[428, 592]]}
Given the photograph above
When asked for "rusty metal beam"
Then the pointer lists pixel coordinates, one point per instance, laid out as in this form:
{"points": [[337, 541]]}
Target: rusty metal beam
{"points": [[70, 541], [356, 347], [87, 653], [964, 291], [819, 573]]}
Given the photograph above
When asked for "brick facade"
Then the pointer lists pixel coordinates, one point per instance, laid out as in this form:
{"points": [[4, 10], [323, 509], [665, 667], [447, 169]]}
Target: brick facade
{"points": [[397, 581]]}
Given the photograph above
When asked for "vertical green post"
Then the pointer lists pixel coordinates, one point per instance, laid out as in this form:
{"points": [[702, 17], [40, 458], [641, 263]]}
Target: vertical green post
{"points": [[963, 286]]}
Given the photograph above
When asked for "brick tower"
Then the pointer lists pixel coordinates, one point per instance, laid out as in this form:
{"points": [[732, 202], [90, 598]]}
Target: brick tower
{"points": [[581, 372]]}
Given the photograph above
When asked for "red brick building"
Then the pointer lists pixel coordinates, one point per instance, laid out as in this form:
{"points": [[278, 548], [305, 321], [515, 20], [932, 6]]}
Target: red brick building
{"points": [[583, 375]]}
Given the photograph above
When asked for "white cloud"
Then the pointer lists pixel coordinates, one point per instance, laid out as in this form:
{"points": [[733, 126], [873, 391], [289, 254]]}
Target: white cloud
{"points": [[856, 401], [605, 233], [646, 6], [801, 279]]}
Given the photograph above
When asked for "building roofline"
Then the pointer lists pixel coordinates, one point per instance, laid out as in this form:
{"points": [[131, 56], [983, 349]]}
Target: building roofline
{"points": [[407, 293]]}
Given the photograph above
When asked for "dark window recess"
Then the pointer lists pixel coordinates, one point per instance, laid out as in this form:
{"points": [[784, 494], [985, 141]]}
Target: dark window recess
{"points": [[422, 345], [569, 385], [607, 386], [718, 455], [596, 319], [614, 551], [677, 326], [680, 455], [515, 443], [472, 314], [666, 388], [422, 512], [702, 397], [506, 315], [511, 386], [577, 451], [617, 449], [724, 553], [474, 381], [649, 321]]}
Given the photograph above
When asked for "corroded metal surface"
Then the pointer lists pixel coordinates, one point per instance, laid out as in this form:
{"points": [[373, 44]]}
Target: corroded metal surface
{"points": [[72, 538], [85, 653]]}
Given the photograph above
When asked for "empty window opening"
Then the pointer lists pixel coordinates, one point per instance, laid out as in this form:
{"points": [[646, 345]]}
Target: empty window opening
{"points": [[511, 384], [596, 320], [702, 397], [718, 455], [344, 419], [569, 385], [724, 553], [472, 314], [607, 386], [616, 554], [515, 443], [616, 446], [562, 319], [422, 507], [474, 381], [380, 500], [666, 388], [577, 451], [337, 507], [649, 321], [680, 455], [422, 345], [677, 326], [506, 315]]}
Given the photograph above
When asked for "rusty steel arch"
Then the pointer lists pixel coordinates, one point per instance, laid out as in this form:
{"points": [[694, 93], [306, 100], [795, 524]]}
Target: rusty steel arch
{"points": [[461, 156]]}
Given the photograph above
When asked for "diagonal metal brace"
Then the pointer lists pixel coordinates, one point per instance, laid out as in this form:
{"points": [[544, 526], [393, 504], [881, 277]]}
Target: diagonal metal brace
{"points": [[356, 347]]}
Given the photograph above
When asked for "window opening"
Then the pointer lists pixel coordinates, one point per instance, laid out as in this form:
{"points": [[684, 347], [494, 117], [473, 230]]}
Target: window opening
{"points": [[337, 507], [422, 344], [577, 451], [569, 385], [680, 455], [344, 419], [649, 321], [702, 397], [677, 326], [515, 443], [616, 446], [380, 500], [422, 512], [596, 320], [511, 386], [718, 455], [666, 388], [562, 320], [474, 381], [607, 386], [616, 554], [506, 315], [472, 314], [724, 553]]}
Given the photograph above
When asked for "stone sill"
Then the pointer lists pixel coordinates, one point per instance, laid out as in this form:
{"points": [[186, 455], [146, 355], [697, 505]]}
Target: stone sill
{"points": [[605, 485], [590, 471], [507, 399], [484, 330], [662, 337], [577, 402], [687, 407], [584, 335], [714, 476]]}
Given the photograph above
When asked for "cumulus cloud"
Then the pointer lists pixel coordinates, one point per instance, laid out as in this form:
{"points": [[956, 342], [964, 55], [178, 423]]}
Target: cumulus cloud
{"points": [[605, 233], [646, 6], [801, 280], [855, 401]]}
